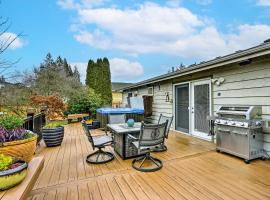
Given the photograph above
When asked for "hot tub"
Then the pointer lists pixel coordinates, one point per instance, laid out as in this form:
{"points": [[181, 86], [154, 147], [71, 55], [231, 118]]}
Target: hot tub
{"points": [[131, 113]]}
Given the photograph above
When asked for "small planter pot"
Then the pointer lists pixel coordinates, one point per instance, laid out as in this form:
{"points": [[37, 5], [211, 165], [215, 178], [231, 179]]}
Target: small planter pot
{"points": [[20, 149], [13, 177], [53, 136]]}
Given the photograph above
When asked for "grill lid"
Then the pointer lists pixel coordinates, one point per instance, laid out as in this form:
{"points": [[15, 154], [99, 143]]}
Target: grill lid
{"points": [[235, 109], [242, 112]]}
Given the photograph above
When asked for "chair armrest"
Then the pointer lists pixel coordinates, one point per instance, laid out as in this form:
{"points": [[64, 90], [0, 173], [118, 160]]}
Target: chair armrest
{"points": [[107, 129], [132, 137]]}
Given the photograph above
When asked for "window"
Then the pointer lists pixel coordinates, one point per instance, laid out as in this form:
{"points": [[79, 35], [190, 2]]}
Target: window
{"points": [[128, 99], [130, 94], [150, 90]]}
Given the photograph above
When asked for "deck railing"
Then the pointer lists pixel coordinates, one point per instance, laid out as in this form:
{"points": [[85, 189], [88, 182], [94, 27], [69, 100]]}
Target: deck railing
{"points": [[35, 123]]}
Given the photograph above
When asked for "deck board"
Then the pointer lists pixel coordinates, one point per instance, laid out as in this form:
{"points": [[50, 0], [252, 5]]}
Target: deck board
{"points": [[192, 170]]}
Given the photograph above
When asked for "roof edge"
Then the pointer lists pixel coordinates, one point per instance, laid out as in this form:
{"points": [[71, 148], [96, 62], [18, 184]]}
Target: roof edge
{"points": [[256, 51]]}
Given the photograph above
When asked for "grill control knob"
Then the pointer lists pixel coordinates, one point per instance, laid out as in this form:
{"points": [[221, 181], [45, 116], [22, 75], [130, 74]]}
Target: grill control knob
{"points": [[233, 123], [242, 123]]}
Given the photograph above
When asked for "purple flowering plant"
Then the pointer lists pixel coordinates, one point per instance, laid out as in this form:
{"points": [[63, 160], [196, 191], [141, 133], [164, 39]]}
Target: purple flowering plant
{"points": [[11, 129]]}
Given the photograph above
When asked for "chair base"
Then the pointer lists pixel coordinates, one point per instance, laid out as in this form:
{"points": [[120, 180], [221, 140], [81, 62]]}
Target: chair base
{"points": [[142, 160], [96, 157], [160, 148]]}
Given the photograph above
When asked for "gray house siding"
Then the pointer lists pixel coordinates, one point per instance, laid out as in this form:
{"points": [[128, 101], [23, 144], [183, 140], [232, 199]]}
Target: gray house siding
{"points": [[160, 106], [138, 91], [246, 85]]}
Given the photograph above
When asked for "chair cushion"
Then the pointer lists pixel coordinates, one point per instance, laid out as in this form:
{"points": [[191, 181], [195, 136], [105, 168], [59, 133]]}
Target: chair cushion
{"points": [[99, 141], [144, 148]]}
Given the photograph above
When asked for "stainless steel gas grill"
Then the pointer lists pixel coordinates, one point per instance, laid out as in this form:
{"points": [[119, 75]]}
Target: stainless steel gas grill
{"points": [[239, 131]]}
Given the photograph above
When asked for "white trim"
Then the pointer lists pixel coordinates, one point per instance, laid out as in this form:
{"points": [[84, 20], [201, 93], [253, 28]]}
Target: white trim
{"points": [[174, 101], [194, 83], [206, 80], [182, 132]]}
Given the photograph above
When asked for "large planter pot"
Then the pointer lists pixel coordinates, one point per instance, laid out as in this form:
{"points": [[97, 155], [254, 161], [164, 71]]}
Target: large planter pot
{"points": [[53, 136], [13, 177], [20, 149]]}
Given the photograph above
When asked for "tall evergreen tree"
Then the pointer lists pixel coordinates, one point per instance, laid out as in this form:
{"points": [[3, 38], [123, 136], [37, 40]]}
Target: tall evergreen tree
{"points": [[98, 77], [56, 77], [67, 68], [48, 62], [59, 61], [107, 85], [76, 74], [90, 74]]}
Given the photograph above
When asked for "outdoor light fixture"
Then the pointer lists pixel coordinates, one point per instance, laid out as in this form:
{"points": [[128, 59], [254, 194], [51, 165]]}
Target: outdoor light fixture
{"points": [[167, 96], [218, 81], [245, 62]]}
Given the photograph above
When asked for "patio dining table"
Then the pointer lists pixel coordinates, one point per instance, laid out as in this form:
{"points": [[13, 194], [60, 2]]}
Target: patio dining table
{"points": [[122, 143]]}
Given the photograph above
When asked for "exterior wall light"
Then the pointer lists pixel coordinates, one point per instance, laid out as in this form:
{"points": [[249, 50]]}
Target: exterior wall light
{"points": [[218, 81], [167, 96]]}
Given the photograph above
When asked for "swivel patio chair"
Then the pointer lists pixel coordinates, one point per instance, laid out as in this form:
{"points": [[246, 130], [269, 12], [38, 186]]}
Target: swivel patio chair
{"points": [[161, 120], [100, 142], [151, 136]]}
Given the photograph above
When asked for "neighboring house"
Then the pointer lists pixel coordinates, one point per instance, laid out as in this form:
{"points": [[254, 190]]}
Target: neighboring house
{"points": [[244, 77], [117, 94], [4, 84]]}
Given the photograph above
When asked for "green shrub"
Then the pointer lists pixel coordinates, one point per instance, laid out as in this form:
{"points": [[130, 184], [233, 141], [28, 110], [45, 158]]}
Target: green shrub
{"points": [[85, 102], [5, 162], [11, 122], [28, 135], [56, 124]]}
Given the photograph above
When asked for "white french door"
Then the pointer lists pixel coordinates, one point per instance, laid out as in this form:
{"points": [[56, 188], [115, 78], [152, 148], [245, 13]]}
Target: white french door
{"points": [[200, 108]]}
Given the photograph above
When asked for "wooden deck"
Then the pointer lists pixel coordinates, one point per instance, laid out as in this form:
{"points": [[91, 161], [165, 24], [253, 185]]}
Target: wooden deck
{"points": [[192, 170]]}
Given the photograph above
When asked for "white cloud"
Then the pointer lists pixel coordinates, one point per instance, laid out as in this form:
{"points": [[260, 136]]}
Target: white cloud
{"points": [[247, 36], [121, 69], [152, 28], [97, 38], [149, 20], [8, 37], [263, 2]]}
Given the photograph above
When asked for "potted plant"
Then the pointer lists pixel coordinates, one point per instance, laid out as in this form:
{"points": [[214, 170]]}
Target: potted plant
{"points": [[53, 133], [15, 141], [12, 171]]}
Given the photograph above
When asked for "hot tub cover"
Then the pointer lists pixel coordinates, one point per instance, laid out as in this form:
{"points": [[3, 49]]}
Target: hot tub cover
{"points": [[120, 110]]}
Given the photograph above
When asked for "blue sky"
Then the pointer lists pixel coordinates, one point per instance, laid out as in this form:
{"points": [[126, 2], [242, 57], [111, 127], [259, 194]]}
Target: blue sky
{"points": [[141, 38]]}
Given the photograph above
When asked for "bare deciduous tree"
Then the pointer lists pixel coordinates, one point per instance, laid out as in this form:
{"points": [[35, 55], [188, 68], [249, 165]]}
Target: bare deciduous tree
{"points": [[6, 41]]}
